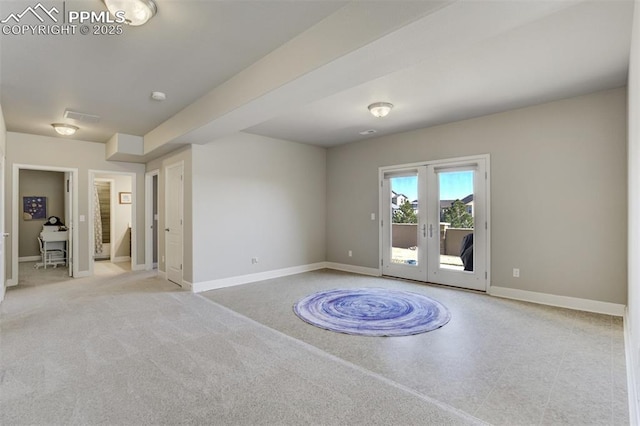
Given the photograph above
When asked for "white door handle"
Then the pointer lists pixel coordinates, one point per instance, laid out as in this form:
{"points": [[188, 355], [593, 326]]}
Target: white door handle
{"points": [[431, 230], [6, 234]]}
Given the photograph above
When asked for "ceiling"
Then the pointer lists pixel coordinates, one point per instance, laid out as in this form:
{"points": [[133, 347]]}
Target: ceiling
{"points": [[306, 70]]}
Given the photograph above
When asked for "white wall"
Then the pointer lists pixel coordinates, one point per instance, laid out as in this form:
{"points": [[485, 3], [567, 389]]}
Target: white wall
{"points": [[257, 197], [632, 323], [558, 193], [58, 152]]}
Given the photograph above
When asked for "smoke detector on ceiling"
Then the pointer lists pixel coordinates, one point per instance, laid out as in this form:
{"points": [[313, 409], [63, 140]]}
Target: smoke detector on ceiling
{"points": [[368, 132], [81, 116]]}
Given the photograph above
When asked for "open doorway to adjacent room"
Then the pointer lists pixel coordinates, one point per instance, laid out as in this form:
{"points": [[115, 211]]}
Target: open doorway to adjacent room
{"points": [[151, 220], [103, 200], [110, 219], [44, 212]]}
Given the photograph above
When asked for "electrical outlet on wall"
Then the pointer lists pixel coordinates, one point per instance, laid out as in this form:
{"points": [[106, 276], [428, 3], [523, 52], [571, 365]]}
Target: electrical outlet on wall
{"points": [[516, 273], [254, 260], [350, 253]]}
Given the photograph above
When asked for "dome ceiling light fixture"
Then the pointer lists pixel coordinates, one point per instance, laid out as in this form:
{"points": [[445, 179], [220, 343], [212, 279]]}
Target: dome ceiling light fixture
{"points": [[136, 12], [65, 129], [380, 109]]}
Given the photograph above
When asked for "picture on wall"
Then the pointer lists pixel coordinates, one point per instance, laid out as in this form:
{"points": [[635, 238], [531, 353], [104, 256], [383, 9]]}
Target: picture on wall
{"points": [[125, 197], [34, 208]]}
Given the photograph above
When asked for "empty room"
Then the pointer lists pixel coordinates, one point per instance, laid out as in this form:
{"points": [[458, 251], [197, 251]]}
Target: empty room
{"points": [[319, 212]]}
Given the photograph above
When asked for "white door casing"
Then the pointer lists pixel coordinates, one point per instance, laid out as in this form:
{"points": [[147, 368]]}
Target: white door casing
{"points": [[174, 199], [429, 266], [16, 215]]}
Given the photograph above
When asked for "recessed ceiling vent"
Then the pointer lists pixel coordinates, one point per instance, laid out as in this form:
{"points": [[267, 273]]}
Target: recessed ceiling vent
{"points": [[81, 116]]}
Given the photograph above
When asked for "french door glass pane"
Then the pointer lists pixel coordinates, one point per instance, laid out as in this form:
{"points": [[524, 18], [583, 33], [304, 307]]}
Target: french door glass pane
{"points": [[456, 220], [404, 220]]}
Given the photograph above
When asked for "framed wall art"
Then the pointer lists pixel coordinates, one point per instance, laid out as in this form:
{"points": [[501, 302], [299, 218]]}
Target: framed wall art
{"points": [[34, 207], [125, 197]]}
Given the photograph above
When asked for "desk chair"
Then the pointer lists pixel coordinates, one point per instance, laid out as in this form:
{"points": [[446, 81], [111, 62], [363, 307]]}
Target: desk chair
{"points": [[53, 257]]}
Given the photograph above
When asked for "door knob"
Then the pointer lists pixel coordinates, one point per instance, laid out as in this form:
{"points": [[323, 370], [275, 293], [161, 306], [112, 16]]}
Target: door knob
{"points": [[166, 229]]}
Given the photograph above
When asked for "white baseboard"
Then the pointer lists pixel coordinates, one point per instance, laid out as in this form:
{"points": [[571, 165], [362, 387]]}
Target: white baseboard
{"points": [[186, 285], [138, 267], [250, 278], [11, 282], [587, 305], [352, 268], [82, 274], [29, 258], [119, 259], [162, 274], [632, 390]]}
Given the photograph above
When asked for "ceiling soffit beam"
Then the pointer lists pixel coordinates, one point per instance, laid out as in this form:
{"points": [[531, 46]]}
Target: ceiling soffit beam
{"points": [[359, 43], [348, 29]]}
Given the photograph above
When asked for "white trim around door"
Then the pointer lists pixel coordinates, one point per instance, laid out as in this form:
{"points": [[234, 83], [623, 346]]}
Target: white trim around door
{"points": [[134, 207], [15, 214], [421, 256]]}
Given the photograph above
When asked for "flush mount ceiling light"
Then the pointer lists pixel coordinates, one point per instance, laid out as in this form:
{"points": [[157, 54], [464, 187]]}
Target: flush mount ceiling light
{"points": [[136, 12], [158, 96], [380, 109], [65, 129]]}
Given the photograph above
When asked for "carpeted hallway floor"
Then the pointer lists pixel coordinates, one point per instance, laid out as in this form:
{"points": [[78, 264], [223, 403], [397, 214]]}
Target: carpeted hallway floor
{"points": [[129, 348]]}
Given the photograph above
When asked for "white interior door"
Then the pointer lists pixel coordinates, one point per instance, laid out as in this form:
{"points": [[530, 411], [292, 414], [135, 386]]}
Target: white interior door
{"points": [[173, 222], [3, 237], [435, 223], [68, 219], [404, 222]]}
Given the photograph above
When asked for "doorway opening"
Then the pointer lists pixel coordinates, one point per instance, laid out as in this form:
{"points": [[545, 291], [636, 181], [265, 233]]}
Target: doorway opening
{"points": [[111, 220], [103, 225], [151, 219], [44, 213], [435, 222]]}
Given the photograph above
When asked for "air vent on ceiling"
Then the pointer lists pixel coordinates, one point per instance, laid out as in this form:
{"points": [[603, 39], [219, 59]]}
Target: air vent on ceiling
{"points": [[81, 116]]}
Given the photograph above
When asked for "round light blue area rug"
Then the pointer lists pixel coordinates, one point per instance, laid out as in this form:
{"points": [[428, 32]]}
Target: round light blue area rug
{"points": [[372, 312]]}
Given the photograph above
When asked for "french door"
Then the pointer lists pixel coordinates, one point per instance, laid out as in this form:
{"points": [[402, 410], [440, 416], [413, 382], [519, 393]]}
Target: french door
{"points": [[435, 223]]}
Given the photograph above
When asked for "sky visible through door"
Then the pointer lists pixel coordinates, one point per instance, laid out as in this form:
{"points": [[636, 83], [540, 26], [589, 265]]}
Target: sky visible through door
{"points": [[455, 185]]}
